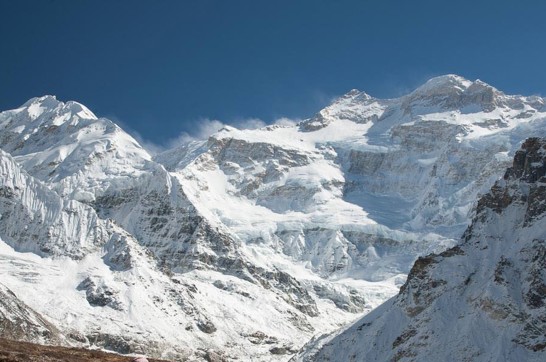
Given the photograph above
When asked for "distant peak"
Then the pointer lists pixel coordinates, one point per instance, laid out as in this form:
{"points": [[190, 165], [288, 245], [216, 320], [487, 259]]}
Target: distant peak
{"points": [[354, 94], [444, 82], [46, 98], [226, 128], [48, 101], [452, 78], [38, 105]]}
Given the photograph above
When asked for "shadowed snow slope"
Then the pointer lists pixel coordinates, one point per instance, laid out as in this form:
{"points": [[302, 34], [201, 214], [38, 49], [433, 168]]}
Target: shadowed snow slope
{"points": [[482, 300], [252, 242]]}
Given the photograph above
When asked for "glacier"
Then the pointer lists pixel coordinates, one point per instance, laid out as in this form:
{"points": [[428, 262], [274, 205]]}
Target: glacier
{"points": [[482, 300]]}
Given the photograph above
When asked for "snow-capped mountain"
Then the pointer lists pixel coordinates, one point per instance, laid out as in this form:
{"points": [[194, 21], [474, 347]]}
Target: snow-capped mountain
{"points": [[252, 242], [66, 146], [482, 300]]}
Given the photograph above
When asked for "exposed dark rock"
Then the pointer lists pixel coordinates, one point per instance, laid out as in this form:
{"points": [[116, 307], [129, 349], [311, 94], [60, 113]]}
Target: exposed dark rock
{"points": [[404, 337], [282, 350], [314, 124], [17, 351], [78, 337], [456, 250], [122, 344], [215, 356], [206, 326], [99, 294], [259, 337], [529, 165], [352, 302]]}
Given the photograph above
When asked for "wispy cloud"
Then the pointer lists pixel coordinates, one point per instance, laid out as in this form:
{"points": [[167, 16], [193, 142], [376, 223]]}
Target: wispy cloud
{"points": [[206, 127], [283, 121], [149, 146], [203, 128]]}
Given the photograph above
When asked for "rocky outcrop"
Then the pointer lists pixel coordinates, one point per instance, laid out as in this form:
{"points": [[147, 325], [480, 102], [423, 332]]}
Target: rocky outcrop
{"points": [[98, 293], [157, 212]]}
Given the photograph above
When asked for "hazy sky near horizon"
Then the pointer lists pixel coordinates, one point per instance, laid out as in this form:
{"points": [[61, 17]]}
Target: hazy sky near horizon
{"points": [[166, 68]]}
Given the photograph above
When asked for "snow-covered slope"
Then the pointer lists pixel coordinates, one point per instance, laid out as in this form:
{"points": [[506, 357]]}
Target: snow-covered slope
{"points": [[19, 322], [36, 219], [348, 189], [253, 241], [137, 268], [482, 300]]}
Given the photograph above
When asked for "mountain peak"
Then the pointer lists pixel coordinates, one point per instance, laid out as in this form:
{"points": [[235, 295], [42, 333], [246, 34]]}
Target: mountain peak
{"points": [[442, 84], [46, 101], [38, 106], [354, 95], [454, 92], [313, 223]]}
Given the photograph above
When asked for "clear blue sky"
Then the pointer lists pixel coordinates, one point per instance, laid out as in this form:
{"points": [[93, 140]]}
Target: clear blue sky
{"points": [[161, 66]]}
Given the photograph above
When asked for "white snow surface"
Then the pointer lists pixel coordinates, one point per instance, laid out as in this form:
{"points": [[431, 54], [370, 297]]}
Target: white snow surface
{"points": [[68, 147], [269, 235], [483, 300]]}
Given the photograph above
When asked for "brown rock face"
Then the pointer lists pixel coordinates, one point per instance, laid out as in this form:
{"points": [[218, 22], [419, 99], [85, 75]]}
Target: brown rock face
{"points": [[13, 351], [529, 167], [19, 321], [529, 162]]}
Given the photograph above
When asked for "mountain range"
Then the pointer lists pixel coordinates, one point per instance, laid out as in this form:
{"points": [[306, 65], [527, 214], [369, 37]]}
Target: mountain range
{"points": [[251, 243]]}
